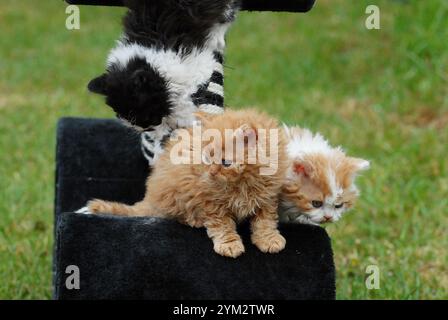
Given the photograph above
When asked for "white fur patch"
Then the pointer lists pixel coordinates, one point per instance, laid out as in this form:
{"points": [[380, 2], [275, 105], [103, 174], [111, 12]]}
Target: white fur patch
{"points": [[305, 142], [218, 68], [184, 72], [216, 89], [83, 210], [216, 38], [335, 189], [363, 165]]}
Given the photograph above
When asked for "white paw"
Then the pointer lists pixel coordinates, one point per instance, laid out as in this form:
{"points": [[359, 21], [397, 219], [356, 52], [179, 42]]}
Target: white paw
{"points": [[84, 210]]}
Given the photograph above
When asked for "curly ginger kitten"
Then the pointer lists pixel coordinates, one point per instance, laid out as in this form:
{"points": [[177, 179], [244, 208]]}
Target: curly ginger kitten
{"points": [[320, 183], [220, 190]]}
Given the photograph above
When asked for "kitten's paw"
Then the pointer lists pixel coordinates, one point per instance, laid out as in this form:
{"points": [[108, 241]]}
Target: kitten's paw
{"points": [[84, 210], [194, 223], [272, 243], [231, 249], [98, 206]]}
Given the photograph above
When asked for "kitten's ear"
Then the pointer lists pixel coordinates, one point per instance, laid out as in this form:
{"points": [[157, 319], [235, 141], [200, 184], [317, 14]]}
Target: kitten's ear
{"points": [[98, 85], [360, 164], [301, 168]]}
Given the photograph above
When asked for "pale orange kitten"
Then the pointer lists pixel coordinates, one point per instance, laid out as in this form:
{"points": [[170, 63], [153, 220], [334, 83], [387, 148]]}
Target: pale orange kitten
{"points": [[320, 184], [218, 195]]}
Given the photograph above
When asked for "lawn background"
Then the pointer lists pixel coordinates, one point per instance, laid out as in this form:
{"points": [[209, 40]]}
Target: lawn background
{"points": [[382, 94]]}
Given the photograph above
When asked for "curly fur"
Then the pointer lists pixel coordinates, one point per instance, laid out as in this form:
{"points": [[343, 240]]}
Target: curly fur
{"points": [[215, 196]]}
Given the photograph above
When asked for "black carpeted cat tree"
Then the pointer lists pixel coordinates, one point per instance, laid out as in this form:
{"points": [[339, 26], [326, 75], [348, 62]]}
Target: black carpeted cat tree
{"points": [[249, 5], [152, 258]]}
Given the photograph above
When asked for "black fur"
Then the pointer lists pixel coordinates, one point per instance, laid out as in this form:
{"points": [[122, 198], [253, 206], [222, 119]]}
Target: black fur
{"points": [[147, 153], [218, 57], [217, 78], [138, 93], [202, 96], [175, 24]]}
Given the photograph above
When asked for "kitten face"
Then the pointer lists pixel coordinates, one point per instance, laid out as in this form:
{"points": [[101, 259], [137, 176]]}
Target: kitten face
{"points": [[228, 168], [320, 180], [137, 93], [244, 125]]}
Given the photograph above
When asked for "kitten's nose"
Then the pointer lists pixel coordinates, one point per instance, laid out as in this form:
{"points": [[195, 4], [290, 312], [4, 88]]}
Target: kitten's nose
{"points": [[327, 218]]}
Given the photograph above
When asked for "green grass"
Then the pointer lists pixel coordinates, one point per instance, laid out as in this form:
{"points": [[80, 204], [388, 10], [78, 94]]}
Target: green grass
{"points": [[382, 94]]}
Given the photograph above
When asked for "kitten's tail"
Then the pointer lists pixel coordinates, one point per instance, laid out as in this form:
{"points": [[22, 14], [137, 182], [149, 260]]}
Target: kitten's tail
{"points": [[140, 209]]}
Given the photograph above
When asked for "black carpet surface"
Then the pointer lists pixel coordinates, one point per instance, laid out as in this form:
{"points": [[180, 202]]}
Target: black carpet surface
{"points": [[152, 258]]}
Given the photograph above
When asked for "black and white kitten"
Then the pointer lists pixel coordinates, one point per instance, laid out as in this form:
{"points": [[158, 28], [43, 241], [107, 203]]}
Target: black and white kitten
{"points": [[167, 65]]}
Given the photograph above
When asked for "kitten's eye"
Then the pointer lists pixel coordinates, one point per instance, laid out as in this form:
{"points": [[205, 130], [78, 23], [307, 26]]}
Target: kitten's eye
{"points": [[339, 206], [317, 204], [226, 163]]}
